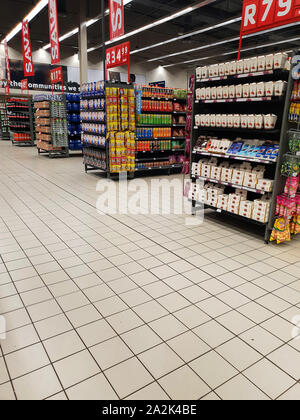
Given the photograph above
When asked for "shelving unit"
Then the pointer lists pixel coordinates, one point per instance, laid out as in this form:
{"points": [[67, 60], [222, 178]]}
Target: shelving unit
{"points": [[72, 103], [51, 125], [4, 121], [156, 140], [108, 127], [256, 105], [21, 121]]}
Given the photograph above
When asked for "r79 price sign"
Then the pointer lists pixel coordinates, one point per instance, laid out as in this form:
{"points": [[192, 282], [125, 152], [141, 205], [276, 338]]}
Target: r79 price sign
{"points": [[56, 76], [265, 14], [118, 55]]}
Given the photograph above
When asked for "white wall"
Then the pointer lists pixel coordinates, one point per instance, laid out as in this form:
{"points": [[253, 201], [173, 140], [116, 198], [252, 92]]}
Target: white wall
{"points": [[173, 78]]}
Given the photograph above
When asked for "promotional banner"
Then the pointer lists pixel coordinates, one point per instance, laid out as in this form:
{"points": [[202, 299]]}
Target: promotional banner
{"points": [[6, 90], [7, 62], [259, 15], [27, 53], [116, 18], [53, 29]]}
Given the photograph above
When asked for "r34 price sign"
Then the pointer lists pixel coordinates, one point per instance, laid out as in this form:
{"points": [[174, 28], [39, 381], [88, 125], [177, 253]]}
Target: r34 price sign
{"points": [[118, 56]]}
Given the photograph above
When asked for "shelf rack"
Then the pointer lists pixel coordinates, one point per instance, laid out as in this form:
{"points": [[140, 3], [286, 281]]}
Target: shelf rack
{"points": [[4, 121], [278, 106], [21, 120], [72, 103], [97, 156], [50, 111], [159, 96]]}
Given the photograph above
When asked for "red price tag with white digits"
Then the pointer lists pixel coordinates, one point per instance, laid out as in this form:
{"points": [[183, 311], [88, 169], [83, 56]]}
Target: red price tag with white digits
{"points": [[24, 84], [259, 15], [118, 55], [56, 76]]}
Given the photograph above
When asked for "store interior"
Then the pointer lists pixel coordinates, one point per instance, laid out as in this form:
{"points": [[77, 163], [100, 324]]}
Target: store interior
{"points": [[150, 211]]}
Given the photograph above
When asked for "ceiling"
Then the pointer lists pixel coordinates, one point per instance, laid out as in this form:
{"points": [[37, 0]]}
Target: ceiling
{"points": [[141, 12]]}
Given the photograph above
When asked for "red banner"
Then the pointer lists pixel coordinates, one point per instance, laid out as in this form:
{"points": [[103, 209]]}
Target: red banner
{"points": [[6, 90], [259, 15], [54, 36], [56, 76], [7, 62], [118, 55], [116, 18], [27, 53], [24, 85]]}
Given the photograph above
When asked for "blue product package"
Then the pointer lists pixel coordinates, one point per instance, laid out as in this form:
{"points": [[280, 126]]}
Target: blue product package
{"points": [[235, 148], [261, 152], [272, 152]]}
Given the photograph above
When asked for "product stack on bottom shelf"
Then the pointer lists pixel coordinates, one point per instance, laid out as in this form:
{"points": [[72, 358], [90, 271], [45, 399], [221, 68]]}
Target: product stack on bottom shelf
{"points": [[51, 125], [21, 121], [108, 127], [238, 136], [160, 134]]}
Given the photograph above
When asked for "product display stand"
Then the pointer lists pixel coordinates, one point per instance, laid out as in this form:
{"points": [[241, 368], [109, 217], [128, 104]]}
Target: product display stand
{"points": [[108, 127], [240, 118], [4, 121], [72, 103], [160, 134], [51, 125], [21, 121]]}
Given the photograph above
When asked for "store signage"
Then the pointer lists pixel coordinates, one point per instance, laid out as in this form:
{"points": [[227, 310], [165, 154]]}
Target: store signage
{"points": [[118, 55], [116, 18], [56, 75], [7, 62], [54, 37], [6, 90], [259, 15], [27, 53], [158, 84], [24, 85]]}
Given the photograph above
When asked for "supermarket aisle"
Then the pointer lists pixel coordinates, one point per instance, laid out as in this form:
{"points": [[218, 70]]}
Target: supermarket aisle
{"points": [[136, 307]]}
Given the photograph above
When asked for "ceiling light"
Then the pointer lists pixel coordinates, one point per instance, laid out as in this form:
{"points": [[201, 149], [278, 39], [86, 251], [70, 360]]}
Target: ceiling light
{"points": [[235, 51], [39, 7], [224, 42], [187, 35], [88, 24]]}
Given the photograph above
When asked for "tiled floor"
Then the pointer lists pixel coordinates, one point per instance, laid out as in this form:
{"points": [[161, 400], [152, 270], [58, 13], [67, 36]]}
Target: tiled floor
{"points": [[136, 307]]}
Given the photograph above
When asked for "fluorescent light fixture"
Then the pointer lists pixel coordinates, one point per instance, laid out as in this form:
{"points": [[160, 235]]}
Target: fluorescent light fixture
{"points": [[153, 24], [236, 51], [37, 9], [160, 21], [88, 24], [200, 31], [214, 44]]}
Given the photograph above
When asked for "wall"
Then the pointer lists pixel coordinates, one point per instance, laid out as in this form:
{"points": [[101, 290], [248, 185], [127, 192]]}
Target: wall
{"points": [[173, 78]]}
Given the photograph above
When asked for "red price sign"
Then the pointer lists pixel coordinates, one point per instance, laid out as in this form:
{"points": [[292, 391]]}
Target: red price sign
{"points": [[27, 53], [116, 18], [24, 85], [118, 55], [54, 37], [6, 90], [56, 76], [259, 15]]}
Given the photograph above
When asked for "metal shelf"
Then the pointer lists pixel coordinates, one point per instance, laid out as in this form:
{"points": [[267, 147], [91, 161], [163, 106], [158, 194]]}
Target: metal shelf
{"points": [[238, 130], [229, 184], [241, 158], [240, 100], [160, 151], [279, 72], [175, 166]]}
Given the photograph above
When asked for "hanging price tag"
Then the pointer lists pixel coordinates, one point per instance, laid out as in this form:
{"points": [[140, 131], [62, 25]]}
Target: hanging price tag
{"points": [[24, 85], [56, 76], [118, 55]]}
